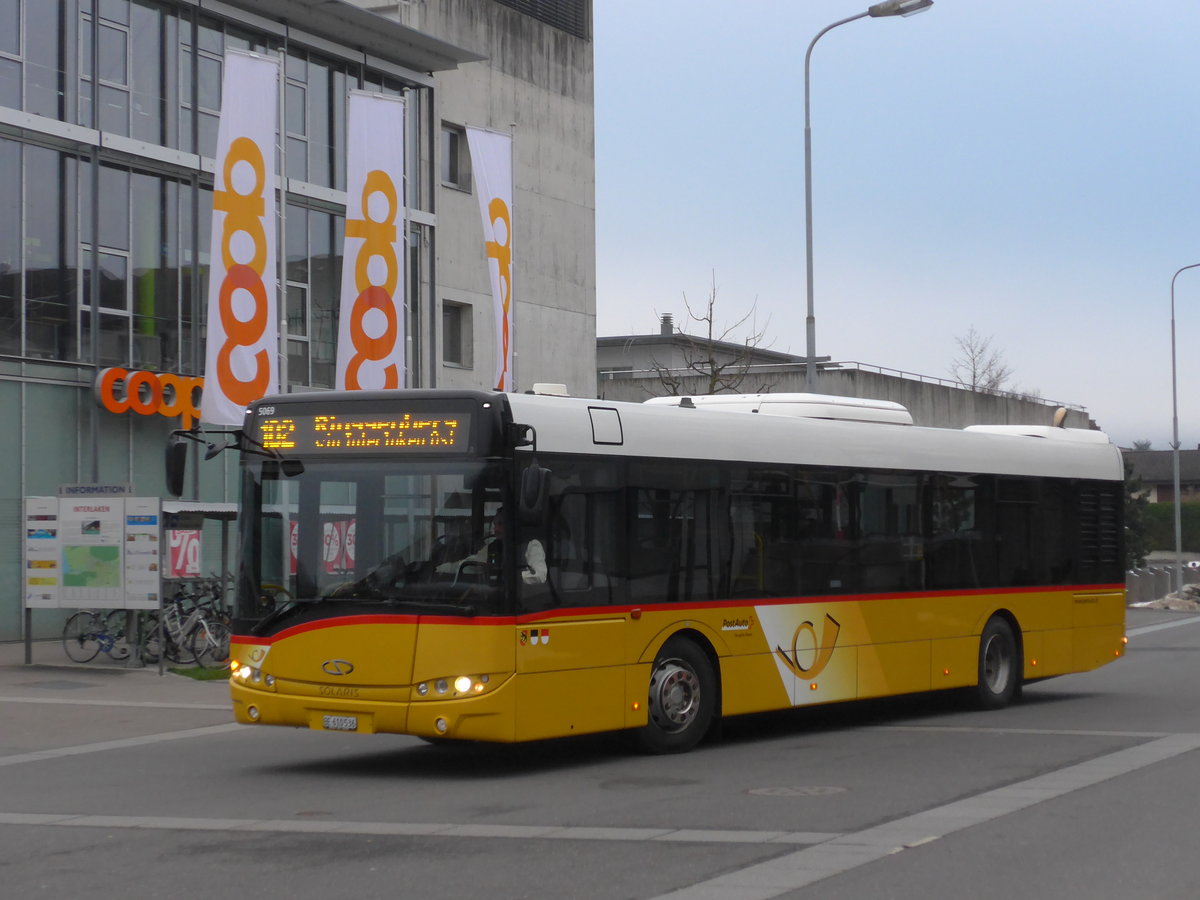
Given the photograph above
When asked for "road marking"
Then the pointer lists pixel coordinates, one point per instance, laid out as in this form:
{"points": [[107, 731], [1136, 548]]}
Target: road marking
{"points": [[792, 871], [144, 704], [825, 854], [120, 744], [984, 729], [419, 829], [1146, 629]]}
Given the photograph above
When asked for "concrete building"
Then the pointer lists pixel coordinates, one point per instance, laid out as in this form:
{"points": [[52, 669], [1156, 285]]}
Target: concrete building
{"points": [[637, 367], [1156, 469], [107, 135]]}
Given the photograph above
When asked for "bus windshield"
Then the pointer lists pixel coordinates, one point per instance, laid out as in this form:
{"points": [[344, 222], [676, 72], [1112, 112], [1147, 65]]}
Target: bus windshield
{"points": [[328, 536]]}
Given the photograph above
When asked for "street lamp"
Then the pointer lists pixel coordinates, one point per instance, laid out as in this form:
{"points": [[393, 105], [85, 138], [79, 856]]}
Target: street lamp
{"points": [[887, 8], [1175, 441]]}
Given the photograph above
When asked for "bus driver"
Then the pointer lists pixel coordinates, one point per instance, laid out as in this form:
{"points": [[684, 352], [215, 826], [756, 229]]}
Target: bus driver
{"points": [[492, 554]]}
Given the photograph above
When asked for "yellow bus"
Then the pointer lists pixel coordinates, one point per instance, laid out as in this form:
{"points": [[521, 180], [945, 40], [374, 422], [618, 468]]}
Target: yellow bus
{"points": [[467, 565]]}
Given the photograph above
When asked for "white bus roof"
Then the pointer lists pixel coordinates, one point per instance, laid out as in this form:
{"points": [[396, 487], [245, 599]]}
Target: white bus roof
{"points": [[670, 432], [812, 406]]}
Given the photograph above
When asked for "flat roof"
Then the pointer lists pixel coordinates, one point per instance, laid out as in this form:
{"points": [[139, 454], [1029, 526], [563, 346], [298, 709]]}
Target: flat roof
{"points": [[337, 20]]}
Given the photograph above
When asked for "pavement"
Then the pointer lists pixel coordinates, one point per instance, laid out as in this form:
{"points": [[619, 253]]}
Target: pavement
{"points": [[52, 678]]}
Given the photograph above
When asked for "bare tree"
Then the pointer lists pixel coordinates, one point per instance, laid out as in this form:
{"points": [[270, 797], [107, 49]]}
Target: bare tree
{"points": [[713, 362], [979, 366]]}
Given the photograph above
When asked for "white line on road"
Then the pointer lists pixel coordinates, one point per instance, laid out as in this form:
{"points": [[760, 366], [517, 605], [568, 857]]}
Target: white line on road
{"points": [[144, 704], [1146, 629], [792, 871], [826, 854], [120, 744], [426, 829]]}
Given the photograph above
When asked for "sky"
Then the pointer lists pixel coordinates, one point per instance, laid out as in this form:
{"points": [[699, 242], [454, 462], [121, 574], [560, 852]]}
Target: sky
{"points": [[1026, 168]]}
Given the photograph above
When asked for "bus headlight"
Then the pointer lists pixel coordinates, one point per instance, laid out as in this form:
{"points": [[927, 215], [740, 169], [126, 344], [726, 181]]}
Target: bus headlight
{"points": [[249, 676], [455, 687]]}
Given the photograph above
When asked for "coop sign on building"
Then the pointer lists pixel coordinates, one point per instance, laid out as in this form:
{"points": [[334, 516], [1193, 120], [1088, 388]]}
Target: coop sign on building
{"points": [[122, 391]]}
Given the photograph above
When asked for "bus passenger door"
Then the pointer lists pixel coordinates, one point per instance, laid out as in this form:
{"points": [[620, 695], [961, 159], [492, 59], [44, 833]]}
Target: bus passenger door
{"points": [[570, 643]]}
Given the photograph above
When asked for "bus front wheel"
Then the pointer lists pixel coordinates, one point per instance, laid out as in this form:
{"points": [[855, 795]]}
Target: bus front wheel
{"points": [[999, 666], [682, 698]]}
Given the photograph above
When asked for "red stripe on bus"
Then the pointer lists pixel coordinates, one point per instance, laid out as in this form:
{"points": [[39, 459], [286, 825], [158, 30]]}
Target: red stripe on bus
{"points": [[552, 615], [795, 601]]}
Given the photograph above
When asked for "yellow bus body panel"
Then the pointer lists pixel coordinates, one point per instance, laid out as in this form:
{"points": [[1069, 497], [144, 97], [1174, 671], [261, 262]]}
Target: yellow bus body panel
{"points": [[571, 676], [560, 674]]}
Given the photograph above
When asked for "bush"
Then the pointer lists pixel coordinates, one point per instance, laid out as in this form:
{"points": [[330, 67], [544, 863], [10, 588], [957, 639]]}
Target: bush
{"points": [[1160, 526]]}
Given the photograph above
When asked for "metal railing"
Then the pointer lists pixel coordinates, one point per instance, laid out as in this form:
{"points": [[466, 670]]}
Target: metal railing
{"points": [[833, 366]]}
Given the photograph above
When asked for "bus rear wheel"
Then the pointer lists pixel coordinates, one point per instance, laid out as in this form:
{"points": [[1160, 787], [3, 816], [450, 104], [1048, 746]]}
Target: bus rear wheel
{"points": [[682, 698], [999, 666]]}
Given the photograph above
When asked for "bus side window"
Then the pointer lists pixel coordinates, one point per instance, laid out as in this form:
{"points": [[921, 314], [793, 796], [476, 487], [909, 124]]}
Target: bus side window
{"points": [[580, 543], [569, 557]]}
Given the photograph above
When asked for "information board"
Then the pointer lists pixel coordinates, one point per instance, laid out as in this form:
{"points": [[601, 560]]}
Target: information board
{"points": [[101, 550]]}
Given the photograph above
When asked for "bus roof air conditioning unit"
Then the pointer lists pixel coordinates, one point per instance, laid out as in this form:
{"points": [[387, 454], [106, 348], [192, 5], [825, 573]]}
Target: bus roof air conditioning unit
{"points": [[807, 406]]}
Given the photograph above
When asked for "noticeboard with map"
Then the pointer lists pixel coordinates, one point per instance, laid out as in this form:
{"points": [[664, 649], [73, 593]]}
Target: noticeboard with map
{"points": [[98, 551]]}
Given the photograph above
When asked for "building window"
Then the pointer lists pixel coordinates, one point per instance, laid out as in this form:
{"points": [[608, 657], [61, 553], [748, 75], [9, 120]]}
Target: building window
{"points": [[457, 342], [572, 16], [455, 171], [313, 245]]}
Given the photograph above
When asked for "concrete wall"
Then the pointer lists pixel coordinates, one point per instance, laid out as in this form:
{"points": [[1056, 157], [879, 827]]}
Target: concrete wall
{"points": [[934, 404], [537, 84]]}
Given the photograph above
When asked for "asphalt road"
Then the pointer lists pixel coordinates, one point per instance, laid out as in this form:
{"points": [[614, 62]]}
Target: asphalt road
{"points": [[118, 782]]}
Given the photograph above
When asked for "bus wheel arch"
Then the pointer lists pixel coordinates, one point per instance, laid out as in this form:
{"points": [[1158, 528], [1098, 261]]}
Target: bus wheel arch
{"points": [[1001, 662], [683, 694]]}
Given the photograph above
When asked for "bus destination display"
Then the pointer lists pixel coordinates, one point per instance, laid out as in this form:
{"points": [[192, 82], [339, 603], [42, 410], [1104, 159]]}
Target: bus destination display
{"points": [[365, 432]]}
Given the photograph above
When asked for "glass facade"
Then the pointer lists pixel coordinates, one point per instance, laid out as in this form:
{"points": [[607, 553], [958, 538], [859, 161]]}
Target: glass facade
{"points": [[104, 248], [151, 72]]}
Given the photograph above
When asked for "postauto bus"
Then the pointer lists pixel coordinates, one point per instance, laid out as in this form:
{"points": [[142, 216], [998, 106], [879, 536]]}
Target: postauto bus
{"points": [[509, 567]]}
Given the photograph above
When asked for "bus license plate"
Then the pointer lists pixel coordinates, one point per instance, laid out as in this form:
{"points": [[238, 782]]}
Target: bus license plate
{"points": [[339, 723]]}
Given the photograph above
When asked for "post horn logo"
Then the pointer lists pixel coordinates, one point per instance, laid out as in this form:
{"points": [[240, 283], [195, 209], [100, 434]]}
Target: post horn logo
{"points": [[822, 648]]}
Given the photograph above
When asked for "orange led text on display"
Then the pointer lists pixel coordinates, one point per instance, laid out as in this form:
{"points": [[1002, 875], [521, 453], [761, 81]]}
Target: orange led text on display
{"points": [[397, 432], [278, 434], [331, 432]]}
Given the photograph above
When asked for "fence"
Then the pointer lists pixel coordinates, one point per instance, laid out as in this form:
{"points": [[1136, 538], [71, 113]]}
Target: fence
{"points": [[1155, 582]]}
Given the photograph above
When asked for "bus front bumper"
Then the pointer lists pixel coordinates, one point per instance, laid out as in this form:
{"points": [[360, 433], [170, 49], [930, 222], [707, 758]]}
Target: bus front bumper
{"points": [[488, 717]]}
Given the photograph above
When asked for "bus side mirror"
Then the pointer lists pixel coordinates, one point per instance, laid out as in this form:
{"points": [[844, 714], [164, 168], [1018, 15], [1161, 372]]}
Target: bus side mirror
{"points": [[521, 435], [176, 464], [531, 502]]}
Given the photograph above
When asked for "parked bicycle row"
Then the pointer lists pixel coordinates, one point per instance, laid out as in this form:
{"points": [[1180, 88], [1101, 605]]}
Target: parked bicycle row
{"points": [[193, 630]]}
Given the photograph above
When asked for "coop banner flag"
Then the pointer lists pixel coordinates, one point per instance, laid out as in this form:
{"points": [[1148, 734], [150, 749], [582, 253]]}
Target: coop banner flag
{"points": [[371, 333], [491, 161], [242, 349]]}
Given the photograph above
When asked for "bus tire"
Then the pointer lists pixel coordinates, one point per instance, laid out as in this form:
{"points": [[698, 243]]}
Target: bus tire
{"points": [[999, 666], [682, 698]]}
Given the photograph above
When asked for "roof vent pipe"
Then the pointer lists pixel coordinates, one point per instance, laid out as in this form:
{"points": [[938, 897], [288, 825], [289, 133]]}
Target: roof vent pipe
{"points": [[667, 325]]}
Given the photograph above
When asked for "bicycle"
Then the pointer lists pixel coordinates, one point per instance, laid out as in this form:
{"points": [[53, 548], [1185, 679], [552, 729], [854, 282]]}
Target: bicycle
{"points": [[208, 641], [193, 630], [88, 633]]}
